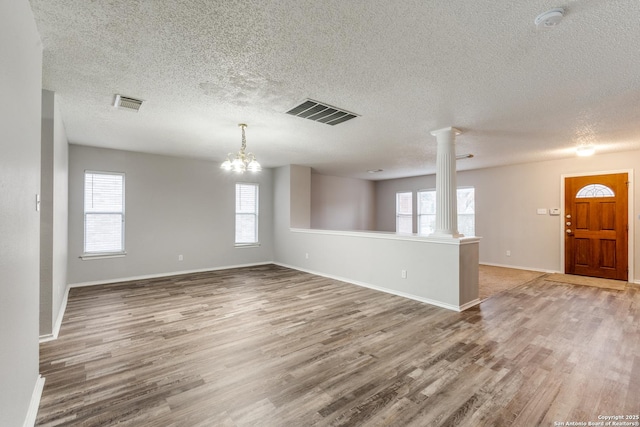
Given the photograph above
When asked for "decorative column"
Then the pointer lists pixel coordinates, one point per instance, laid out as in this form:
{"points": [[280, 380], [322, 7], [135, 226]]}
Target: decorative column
{"points": [[446, 189]]}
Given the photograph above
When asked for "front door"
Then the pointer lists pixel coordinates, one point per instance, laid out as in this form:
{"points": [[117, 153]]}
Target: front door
{"points": [[596, 226]]}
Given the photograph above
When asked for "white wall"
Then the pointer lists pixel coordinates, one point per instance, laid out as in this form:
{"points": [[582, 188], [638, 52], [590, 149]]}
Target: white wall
{"points": [[339, 203], [20, 85], [173, 206], [506, 202], [53, 213]]}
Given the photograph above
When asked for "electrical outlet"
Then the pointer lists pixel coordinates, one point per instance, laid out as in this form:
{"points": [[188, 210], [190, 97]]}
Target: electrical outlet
{"points": [[403, 274], [306, 255], [508, 253], [180, 257]]}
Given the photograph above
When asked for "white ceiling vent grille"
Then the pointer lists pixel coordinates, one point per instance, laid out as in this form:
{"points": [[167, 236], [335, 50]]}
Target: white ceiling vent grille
{"points": [[323, 113], [127, 103]]}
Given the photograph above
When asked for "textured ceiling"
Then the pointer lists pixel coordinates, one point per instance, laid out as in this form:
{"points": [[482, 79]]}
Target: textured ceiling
{"points": [[408, 67]]}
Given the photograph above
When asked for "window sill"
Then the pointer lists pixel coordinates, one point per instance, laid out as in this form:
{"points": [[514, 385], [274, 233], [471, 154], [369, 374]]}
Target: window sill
{"points": [[86, 257], [247, 245]]}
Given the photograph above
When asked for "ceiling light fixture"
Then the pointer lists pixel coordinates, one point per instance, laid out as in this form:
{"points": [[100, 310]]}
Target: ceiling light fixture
{"points": [[550, 18], [243, 161], [585, 150]]}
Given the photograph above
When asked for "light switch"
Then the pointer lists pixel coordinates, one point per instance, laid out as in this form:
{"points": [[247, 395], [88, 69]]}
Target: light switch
{"points": [[542, 211]]}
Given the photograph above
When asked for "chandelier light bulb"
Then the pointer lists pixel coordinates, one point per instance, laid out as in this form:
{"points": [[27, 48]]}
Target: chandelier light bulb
{"points": [[242, 161]]}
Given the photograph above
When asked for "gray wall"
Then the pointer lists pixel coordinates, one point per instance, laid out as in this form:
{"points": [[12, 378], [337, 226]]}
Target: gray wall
{"points": [[53, 213], [300, 215], [173, 206], [506, 202], [281, 209], [439, 272], [386, 199], [20, 85], [339, 203]]}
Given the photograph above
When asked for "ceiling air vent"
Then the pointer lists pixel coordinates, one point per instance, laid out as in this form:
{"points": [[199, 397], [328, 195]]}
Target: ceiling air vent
{"points": [[323, 113], [127, 103]]}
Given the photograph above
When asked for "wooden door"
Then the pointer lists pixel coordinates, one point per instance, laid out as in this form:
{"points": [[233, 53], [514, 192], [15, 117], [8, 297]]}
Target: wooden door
{"points": [[596, 226]]}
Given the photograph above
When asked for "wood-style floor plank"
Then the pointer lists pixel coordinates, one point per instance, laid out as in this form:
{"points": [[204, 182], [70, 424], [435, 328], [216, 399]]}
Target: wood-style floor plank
{"points": [[270, 346]]}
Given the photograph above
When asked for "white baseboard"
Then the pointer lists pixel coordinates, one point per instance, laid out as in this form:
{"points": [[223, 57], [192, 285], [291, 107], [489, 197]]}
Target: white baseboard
{"points": [[56, 326], [34, 404], [470, 304], [515, 267], [386, 290], [168, 274]]}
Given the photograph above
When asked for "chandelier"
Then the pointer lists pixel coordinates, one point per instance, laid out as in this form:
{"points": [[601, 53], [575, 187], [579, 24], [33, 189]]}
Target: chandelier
{"points": [[243, 161]]}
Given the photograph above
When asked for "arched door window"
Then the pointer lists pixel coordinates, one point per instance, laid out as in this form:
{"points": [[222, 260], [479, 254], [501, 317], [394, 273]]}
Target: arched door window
{"points": [[595, 190]]}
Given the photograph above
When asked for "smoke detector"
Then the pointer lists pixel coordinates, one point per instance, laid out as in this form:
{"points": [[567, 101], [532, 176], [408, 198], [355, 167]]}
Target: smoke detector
{"points": [[550, 18]]}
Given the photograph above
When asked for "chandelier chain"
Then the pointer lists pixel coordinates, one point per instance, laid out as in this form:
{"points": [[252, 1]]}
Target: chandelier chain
{"points": [[244, 138]]}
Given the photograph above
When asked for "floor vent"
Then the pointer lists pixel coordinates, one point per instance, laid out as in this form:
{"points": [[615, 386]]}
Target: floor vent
{"points": [[323, 113], [127, 103]]}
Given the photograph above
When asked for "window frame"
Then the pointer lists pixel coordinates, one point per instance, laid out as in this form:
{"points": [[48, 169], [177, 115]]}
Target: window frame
{"points": [[403, 215], [433, 190], [256, 214], [103, 254]]}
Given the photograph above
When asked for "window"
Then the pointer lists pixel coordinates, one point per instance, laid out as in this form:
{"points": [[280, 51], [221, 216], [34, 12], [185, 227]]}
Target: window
{"points": [[595, 190], [426, 212], [246, 214], [103, 213], [404, 212], [466, 211]]}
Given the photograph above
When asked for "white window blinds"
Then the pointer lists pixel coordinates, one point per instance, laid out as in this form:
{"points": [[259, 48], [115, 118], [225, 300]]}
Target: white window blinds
{"points": [[246, 214], [103, 212], [404, 212]]}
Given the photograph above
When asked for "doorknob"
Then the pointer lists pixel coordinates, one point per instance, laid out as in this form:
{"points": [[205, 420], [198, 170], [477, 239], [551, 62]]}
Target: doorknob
{"points": [[568, 223], [568, 216], [568, 231]]}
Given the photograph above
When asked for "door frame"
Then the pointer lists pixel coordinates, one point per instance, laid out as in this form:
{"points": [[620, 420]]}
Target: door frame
{"points": [[630, 217]]}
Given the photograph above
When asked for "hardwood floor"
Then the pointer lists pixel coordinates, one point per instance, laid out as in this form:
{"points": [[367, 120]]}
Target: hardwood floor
{"points": [[270, 346]]}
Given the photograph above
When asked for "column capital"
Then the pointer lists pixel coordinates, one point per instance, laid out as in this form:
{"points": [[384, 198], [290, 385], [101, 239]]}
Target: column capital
{"points": [[447, 129]]}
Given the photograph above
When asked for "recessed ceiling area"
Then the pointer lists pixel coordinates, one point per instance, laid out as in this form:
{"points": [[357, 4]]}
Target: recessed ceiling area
{"points": [[518, 92]]}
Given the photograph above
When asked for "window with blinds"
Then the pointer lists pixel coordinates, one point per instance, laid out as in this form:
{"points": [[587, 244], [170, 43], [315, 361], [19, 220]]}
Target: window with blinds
{"points": [[466, 211], [103, 213], [404, 212], [246, 214]]}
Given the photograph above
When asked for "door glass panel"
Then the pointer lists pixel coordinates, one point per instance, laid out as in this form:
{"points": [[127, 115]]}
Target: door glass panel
{"points": [[595, 190]]}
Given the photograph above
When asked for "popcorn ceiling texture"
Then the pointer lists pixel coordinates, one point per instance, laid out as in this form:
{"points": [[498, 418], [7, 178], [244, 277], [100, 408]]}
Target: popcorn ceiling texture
{"points": [[407, 67]]}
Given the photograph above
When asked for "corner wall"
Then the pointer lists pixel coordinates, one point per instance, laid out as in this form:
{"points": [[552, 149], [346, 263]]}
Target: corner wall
{"points": [[441, 272], [173, 206], [53, 214], [20, 85]]}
